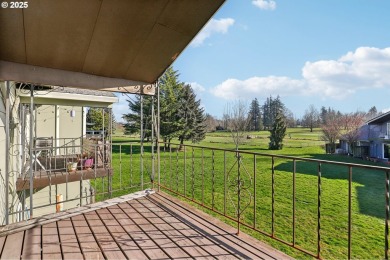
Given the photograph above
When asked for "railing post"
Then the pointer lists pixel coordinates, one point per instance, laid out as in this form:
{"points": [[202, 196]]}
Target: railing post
{"points": [[254, 191], [120, 166], [238, 192], [387, 216], [153, 159], [212, 180], [202, 176], [294, 198], [110, 145], [31, 151], [177, 169], [142, 142], [273, 197], [349, 211], [319, 213], [158, 137], [185, 172], [193, 174], [225, 183]]}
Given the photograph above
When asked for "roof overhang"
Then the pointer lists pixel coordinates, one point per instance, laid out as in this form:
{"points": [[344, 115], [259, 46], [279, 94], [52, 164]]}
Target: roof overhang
{"points": [[382, 118], [69, 99], [115, 45]]}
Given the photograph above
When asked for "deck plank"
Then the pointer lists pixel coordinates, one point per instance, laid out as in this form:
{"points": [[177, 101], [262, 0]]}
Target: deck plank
{"points": [[13, 246], [164, 241], [106, 241], [157, 226], [124, 240], [226, 235], [51, 248], [187, 239], [141, 238], [70, 246], [32, 244], [88, 244], [2, 241]]}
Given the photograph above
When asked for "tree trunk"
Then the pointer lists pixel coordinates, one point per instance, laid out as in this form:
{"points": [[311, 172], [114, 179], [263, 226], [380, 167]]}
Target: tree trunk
{"points": [[181, 143]]}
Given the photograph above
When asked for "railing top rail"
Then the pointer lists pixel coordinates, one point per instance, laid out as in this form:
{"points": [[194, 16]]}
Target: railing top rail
{"points": [[373, 167]]}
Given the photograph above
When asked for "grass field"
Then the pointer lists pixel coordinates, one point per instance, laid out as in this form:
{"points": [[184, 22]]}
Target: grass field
{"points": [[192, 175]]}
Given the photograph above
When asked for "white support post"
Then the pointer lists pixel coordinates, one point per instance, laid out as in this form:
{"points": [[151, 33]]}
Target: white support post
{"points": [[142, 141], [158, 133], [7, 150], [31, 137], [153, 125]]}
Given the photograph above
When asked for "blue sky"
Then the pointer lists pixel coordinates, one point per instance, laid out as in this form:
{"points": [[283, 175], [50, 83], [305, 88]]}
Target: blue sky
{"points": [[321, 52]]}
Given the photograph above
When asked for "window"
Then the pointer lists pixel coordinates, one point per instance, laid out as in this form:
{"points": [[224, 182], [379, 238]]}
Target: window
{"points": [[388, 129]]}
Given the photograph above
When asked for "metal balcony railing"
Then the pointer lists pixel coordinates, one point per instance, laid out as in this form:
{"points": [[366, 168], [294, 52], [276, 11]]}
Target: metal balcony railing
{"points": [[265, 194], [262, 194]]}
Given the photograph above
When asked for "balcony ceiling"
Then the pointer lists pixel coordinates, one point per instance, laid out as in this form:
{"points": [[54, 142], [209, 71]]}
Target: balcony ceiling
{"points": [[97, 44]]}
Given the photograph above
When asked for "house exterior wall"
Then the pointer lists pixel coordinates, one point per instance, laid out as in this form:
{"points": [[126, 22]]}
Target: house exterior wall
{"points": [[46, 121], [70, 127]]}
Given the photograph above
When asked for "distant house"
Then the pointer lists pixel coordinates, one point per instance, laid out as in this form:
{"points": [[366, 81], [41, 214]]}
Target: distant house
{"points": [[374, 139]]}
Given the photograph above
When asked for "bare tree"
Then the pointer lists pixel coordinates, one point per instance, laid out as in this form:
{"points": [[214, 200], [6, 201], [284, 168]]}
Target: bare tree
{"points": [[331, 130], [211, 123], [236, 115], [352, 123], [311, 118], [346, 126]]}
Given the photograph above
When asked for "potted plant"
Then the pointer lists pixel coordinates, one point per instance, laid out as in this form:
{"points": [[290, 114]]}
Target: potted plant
{"points": [[71, 166]]}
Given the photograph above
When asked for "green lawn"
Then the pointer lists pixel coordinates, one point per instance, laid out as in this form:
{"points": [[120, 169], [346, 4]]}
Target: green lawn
{"points": [[208, 175]]}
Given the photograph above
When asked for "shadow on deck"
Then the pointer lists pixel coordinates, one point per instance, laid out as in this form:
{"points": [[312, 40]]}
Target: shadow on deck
{"points": [[144, 225]]}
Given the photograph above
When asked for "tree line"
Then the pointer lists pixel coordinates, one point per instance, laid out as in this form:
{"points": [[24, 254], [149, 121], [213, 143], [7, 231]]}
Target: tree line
{"points": [[182, 117]]}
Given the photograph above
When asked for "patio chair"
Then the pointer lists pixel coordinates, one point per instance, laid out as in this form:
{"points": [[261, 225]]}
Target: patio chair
{"points": [[44, 149]]}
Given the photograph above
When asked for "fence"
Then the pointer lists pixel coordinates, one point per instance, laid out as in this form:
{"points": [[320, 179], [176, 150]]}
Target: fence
{"points": [[272, 195]]}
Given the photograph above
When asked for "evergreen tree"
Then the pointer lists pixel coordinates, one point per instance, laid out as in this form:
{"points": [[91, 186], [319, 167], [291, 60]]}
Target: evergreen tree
{"points": [[372, 112], [255, 116], [170, 93], [191, 117], [278, 132], [270, 109], [133, 119], [180, 113], [267, 115]]}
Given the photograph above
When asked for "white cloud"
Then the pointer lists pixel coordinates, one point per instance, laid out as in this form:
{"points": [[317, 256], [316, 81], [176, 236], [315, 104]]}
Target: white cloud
{"points": [[364, 68], [256, 86], [386, 110], [265, 4], [196, 87], [213, 26]]}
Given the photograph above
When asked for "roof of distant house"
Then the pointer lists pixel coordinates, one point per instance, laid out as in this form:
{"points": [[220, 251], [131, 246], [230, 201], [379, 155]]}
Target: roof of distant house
{"points": [[382, 118]]}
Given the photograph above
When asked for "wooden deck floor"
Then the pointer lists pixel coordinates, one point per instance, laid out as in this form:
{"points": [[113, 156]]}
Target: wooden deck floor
{"points": [[155, 226]]}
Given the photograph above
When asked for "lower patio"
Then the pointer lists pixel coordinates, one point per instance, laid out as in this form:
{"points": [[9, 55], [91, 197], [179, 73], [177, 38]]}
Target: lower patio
{"points": [[143, 225]]}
